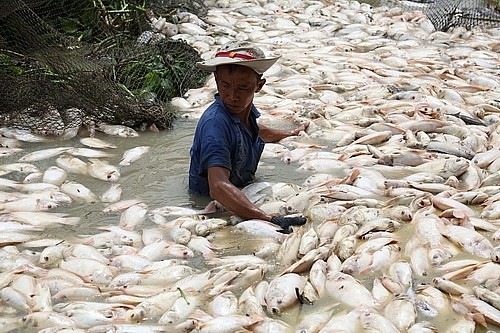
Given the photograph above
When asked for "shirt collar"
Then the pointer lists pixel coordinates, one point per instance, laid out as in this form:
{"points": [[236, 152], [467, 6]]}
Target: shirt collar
{"points": [[253, 109]]}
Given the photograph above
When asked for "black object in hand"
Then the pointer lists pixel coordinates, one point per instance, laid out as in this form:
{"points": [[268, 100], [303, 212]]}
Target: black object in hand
{"points": [[285, 222]]}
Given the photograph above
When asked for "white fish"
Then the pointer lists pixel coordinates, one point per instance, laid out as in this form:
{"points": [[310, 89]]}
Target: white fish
{"points": [[13, 226], [78, 192], [281, 293], [28, 204], [153, 306], [373, 321], [96, 143], [15, 298], [86, 318], [72, 164], [133, 216], [21, 167], [182, 308], [86, 267], [44, 219], [470, 240], [117, 130], [120, 205], [112, 194], [133, 154], [308, 242], [347, 289], [89, 152], [344, 322], [202, 245], [33, 177], [54, 175], [228, 324], [225, 303], [43, 154], [46, 319], [401, 312], [261, 228], [9, 238], [103, 170], [21, 135]]}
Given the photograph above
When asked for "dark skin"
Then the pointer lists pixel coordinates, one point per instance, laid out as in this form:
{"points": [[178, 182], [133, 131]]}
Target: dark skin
{"points": [[237, 86]]}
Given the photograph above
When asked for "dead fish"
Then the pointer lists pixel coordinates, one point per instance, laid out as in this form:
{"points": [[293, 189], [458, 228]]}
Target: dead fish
{"points": [[120, 205], [281, 294], [348, 322], [78, 192], [89, 152], [346, 289], [133, 216], [133, 154], [46, 319], [54, 175], [228, 324], [117, 130], [72, 164], [451, 149], [112, 194], [96, 143], [21, 135], [445, 167], [470, 240], [103, 170], [261, 228], [44, 219], [491, 314], [28, 204], [21, 167], [43, 154], [15, 299]]}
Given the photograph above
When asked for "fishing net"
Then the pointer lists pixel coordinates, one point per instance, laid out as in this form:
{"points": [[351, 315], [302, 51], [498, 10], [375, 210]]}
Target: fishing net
{"points": [[445, 14], [66, 64]]}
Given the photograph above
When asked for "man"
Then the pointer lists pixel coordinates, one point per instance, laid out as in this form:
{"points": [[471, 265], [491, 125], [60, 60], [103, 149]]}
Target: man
{"points": [[228, 141]]}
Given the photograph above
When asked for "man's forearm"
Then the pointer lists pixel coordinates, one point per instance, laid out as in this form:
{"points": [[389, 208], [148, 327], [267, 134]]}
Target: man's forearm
{"points": [[234, 200]]}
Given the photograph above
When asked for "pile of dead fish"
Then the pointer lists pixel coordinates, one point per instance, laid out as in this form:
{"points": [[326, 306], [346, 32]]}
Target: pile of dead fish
{"points": [[402, 196]]}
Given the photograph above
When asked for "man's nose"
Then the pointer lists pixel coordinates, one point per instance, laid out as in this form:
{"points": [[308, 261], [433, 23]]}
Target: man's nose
{"points": [[232, 94]]}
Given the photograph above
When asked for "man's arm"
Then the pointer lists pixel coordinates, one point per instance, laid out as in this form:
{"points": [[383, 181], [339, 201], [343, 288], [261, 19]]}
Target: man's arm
{"points": [[274, 135], [231, 197]]}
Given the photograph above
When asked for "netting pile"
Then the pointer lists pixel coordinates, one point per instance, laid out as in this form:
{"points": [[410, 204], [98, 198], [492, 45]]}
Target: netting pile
{"points": [[445, 14], [67, 64]]}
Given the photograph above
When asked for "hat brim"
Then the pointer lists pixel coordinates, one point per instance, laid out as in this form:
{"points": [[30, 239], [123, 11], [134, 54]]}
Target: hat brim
{"points": [[258, 65]]}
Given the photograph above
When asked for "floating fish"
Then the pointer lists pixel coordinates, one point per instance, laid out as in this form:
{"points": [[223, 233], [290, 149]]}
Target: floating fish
{"points": [[133, 154]]}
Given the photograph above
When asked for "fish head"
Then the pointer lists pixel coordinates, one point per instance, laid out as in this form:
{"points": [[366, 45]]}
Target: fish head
{"points": [[457, 166]]}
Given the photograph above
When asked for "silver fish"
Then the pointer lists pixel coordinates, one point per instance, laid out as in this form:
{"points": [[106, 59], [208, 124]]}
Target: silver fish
{"points": [[103, 170], [133, 154]]}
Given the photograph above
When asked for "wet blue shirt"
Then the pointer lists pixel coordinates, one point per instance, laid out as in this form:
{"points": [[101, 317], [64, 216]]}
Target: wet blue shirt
{"points": [[221, 140]]}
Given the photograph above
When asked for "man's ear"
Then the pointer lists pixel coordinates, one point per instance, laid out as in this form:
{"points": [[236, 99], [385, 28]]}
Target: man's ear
{"points": [[260, 84]]}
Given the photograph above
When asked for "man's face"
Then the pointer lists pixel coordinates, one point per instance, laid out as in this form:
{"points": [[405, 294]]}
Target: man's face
{"points": [[236, 86]]}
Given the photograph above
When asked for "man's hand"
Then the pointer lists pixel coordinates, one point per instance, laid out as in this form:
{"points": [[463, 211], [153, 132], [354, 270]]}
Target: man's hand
{"points": [[285, 222]]}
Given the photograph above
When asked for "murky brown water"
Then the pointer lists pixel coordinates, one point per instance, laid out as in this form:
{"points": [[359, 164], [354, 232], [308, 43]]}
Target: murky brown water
{"points": [[159, 178]]}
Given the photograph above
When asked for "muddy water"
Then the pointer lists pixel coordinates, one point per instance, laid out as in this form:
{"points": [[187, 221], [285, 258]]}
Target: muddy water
{"points": [[159, 178]]}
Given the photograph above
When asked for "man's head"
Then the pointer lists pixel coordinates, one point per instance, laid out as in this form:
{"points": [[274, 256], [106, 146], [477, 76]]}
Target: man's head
{"points": [[237, 86], [242, 54]]}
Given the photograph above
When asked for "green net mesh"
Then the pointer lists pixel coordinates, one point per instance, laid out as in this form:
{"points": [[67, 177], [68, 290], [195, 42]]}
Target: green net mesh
{"points": [[67, 64]]}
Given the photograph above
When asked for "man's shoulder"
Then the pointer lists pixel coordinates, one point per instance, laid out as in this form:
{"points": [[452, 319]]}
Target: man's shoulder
{"points": [[215, 111]]}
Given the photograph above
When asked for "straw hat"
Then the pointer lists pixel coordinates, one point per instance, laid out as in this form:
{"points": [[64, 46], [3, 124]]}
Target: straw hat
{"points": [[239, 54]]}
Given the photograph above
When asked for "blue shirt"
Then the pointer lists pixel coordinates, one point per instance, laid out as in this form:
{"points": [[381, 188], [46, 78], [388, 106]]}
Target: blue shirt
{"points": [[221, 140]]}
